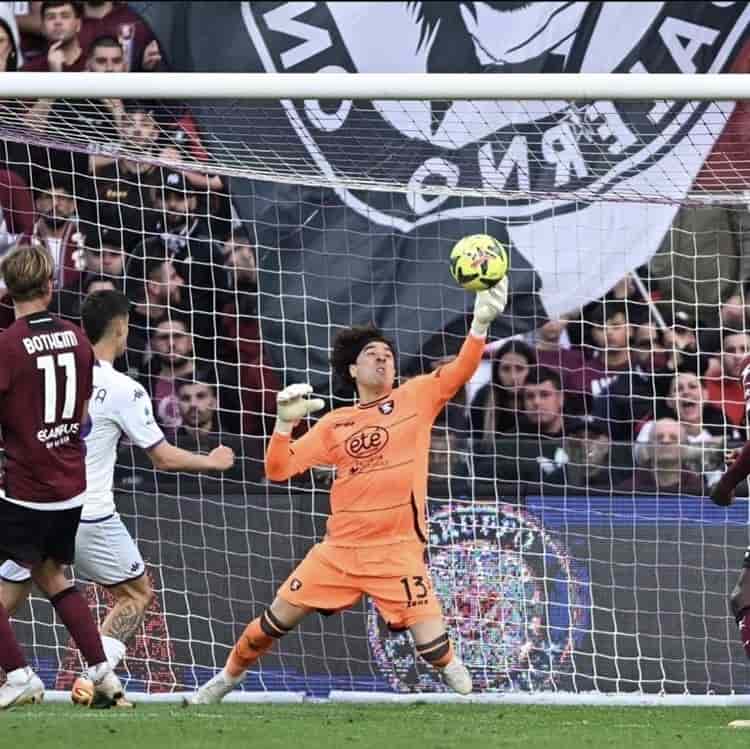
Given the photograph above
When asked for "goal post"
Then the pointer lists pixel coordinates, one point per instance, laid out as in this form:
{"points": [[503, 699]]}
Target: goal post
{"points": [[561, 581], [386, 86]]}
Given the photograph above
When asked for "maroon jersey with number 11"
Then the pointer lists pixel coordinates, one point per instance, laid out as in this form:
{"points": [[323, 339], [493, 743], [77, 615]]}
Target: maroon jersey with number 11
{"points": [[46, 377]]}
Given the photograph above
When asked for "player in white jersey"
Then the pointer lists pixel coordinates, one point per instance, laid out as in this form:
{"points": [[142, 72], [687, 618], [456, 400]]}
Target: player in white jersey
{"points": [[105, 552]]}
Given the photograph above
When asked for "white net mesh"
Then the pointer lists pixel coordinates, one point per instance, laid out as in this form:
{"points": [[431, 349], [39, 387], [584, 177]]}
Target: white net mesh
{"points": [[570, 538]]}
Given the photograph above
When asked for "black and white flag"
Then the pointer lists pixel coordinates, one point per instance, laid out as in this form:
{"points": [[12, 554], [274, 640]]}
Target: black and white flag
{"points": [[333, 257]]}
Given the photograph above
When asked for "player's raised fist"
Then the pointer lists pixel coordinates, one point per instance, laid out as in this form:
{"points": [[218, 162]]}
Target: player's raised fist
{"points": [[222, 457]]}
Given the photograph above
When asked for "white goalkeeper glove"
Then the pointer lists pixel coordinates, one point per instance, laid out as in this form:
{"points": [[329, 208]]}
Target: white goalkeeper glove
{"points": [[293, 405], [488, 305]]}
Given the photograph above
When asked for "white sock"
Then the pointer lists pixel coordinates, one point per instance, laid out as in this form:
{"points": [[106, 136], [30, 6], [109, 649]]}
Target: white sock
{"points": [[19, 675], [114, 650], [235, 680]]}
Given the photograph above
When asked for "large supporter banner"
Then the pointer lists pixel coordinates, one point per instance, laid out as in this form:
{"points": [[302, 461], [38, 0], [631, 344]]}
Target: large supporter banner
{"points": [[342, 256]]}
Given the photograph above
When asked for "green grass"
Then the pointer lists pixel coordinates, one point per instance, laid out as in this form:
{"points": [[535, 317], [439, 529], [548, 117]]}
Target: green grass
{"points": [[58, 726]]}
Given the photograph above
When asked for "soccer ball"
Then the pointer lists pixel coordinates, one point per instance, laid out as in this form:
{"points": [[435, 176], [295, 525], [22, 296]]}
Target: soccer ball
{"points": [[478, 262], [83, 691]]}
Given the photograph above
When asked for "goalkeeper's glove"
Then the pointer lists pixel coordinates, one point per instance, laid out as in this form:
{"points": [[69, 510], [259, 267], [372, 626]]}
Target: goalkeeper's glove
{"points": [[293, 405], [488, 305]]}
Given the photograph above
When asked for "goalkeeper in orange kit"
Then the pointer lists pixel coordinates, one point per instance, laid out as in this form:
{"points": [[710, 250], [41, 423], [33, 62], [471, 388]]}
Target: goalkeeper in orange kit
{"points": [[375, 536]]}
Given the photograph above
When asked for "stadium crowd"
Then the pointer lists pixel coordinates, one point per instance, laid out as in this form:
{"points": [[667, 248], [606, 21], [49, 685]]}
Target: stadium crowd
{"points": [[638, 391]]}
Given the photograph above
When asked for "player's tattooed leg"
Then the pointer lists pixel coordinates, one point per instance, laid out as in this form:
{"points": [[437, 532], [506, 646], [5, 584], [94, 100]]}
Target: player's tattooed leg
{"points": [[124, 621], [132, 598]]}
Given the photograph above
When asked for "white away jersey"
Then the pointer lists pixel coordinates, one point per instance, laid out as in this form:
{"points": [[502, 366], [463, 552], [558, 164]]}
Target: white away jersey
{"points": [[118, 404]]}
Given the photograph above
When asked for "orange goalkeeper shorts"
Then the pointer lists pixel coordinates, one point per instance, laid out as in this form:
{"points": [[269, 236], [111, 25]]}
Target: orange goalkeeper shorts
{"points": [[333, 578]]}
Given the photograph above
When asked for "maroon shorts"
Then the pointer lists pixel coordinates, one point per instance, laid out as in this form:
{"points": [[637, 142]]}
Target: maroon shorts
{"points": [[29, 537]]}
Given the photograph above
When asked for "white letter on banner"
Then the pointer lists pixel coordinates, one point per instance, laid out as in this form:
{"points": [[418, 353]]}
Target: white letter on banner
{"points": [[612, 127], [328, 121], [434, 167], [567, 153], [674, 31], [284, 19], [515, 157]]}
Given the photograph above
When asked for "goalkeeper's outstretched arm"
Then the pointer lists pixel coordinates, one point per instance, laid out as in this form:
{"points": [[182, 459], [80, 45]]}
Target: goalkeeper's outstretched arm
{"points": [[487, 306], [284, 458]]}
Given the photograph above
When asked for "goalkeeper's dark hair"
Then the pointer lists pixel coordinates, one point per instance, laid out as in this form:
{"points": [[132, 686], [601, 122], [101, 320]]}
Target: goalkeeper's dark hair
{"points": [[348, 344], [99, 309]]}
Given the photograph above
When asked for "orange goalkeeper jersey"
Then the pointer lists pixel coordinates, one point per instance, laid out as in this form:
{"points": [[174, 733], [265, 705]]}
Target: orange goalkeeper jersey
{"points": [[380, 451]]}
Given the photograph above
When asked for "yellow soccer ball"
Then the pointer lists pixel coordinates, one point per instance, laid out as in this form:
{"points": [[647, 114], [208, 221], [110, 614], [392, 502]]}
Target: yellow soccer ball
{"points": [[478, 262]]}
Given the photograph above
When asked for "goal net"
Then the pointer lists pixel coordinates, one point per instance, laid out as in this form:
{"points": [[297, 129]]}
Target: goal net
{"points": [[571, 539]]}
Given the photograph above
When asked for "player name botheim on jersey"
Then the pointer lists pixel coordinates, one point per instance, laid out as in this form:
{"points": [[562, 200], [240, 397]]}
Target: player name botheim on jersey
{"points": [[50, 341]]}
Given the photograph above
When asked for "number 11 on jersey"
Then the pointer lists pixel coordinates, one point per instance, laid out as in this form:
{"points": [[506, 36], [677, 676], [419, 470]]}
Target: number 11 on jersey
{"points": [[67, 362]]}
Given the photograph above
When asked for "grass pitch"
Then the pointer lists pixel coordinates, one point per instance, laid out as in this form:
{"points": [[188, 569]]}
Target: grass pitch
{"points": [[308, 726]]}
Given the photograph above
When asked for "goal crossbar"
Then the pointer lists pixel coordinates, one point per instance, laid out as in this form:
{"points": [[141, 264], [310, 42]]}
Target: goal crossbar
{"points": [[387, 86]]}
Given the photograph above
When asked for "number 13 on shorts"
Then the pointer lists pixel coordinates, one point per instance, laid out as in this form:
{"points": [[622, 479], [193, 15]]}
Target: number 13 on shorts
{"points": [[416, 588]]}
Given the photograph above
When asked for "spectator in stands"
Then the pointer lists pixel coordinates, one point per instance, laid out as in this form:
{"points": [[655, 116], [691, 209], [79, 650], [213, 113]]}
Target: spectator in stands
{"points": [[181, 217], [97, 120], [648, 349], [732, 316], [536, 448], [543, 401], [159, 292], [16, 221], [661, 463], [241, 340], [198, 259], [184, 144], [202, 279], [8, 48], [131, 185], [17, 205], [208, 420], [199, 405], [608, 339], [29, 22], [687, 403], [553, 349], [626, 290], [239, 257], [631, 396], [680, 342], [725, 391], [172, 360], [104, 245], [497, 406], [61, 24], [56, 228], [588, 462], [99, 284], [116, 19], [104, 117]]}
